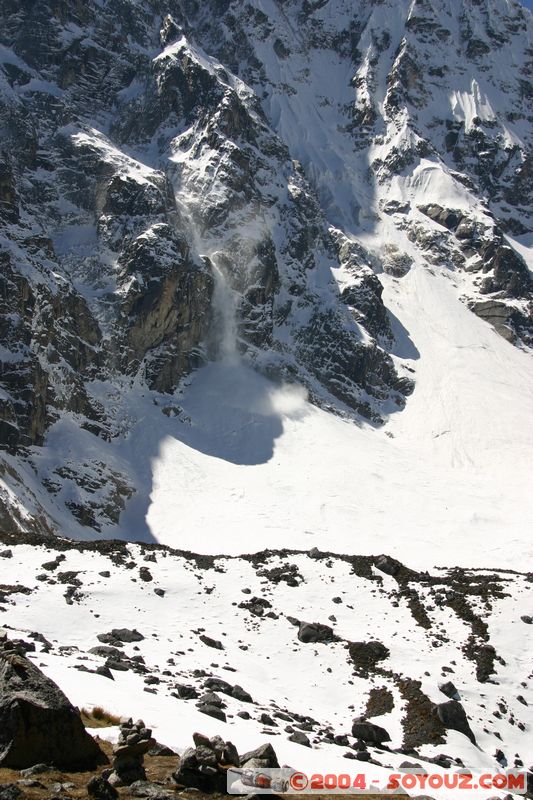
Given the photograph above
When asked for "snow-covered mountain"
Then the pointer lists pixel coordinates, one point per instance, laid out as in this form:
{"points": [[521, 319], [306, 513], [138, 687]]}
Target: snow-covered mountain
{"points": [[266, 283], [178, 179]]}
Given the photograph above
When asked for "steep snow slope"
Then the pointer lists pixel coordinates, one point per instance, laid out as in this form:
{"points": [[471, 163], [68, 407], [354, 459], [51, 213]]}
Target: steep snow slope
{"points": [[452, 468], [239, 462]]}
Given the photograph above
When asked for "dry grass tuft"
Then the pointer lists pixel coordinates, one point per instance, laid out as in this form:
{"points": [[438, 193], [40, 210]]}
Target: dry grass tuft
{"points": [[98, 717]]}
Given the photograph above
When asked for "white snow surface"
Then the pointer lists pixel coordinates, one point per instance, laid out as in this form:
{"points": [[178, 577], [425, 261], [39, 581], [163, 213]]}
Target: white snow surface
{"points": [[452, 468], [263, 654], [246, 464]]}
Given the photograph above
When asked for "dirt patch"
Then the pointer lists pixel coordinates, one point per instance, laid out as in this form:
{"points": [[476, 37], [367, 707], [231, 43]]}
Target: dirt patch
{"points": [[380, 701], [420, 724]]}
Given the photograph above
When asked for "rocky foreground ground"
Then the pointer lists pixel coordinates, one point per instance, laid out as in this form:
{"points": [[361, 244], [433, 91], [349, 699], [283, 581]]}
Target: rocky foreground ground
{"points": [[54, 783]]}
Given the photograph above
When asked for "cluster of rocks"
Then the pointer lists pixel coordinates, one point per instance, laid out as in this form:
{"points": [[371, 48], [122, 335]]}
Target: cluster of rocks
{"points": [[206, 765], [209, 702], [115, 660], [134, 741], [118, 636]]}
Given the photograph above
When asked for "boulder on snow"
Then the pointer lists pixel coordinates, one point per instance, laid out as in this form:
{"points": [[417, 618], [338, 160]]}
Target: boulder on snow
{"points": [[315, 632], [118, 636], [448, 688], [266, 754], [299, 737], [387, 565], [368, 732], [453, 716], [38, 724]]}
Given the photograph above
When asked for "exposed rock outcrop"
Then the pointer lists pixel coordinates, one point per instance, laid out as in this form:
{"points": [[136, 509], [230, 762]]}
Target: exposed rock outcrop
{"points": [[37, 722]]}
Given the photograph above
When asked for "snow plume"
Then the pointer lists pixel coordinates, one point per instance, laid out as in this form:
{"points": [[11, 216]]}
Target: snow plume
{"points": [[222, 344], [225, 304]]}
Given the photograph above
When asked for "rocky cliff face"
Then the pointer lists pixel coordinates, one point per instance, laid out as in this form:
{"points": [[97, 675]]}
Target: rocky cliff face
{"points": [[294, 151]]}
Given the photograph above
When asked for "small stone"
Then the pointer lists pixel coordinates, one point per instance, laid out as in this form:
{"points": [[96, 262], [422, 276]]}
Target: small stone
{"points": [[448, 688], [299, 737], [10, 791], [387, 565], [241, 694], [212, 711], [264, 753], [37, 769], [100, 789], [211, 642]]}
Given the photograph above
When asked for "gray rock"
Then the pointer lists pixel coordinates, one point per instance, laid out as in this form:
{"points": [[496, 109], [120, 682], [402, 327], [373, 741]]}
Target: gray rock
{"points": [[315, 632], [161, 750], [37, 769], [264, 753], [387, 565], [120, 635], [31, 783], [448, 688], [212, 711], [100, 789], [38, 724], [155, 791], [211, 642], [453, 716], [10, 791], [368, 732], [186, 692], [299, 737], [204, 767], [213, 699], [218, 685], [241, 694]]}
